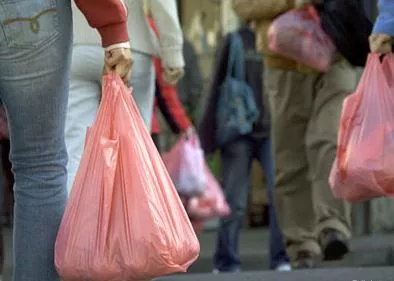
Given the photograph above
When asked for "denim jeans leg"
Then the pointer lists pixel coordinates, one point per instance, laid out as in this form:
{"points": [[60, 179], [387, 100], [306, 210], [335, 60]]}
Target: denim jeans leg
{"points": [[278, 253], [34, 70], [235, 160]]}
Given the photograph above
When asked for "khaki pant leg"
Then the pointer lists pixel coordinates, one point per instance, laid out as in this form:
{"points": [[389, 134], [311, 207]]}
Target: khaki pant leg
{"points": [[331, 89], [290, 97]]}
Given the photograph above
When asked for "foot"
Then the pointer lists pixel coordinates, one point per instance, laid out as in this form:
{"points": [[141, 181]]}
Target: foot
{"points": [[305, 260], [284, 267], [334, 244]]}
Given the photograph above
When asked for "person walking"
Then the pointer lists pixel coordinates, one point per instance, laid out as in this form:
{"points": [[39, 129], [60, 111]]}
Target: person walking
{"points": [[237, 156], [305, 107]]}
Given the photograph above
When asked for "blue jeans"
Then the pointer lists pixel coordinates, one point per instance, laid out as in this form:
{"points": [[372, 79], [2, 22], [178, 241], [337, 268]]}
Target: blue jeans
{"points": [[236, 159], [34, 66]]}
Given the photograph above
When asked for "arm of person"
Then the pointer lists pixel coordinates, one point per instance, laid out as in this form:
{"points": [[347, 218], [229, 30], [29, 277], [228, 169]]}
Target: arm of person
{"points": [[385, 20], [109, 17], [169, 103], [383, 32], [165, 15]]}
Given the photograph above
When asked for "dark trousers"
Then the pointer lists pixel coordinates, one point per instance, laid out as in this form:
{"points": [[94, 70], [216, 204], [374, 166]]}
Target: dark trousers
{"points": [[236, 159]]}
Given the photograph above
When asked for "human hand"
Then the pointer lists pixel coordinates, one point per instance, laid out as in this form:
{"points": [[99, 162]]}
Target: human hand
{"points": [[172, 75], [380, 43], [120, 61]]}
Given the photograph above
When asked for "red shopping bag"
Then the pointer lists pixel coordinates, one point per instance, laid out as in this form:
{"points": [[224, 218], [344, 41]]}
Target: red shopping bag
{"points": [[298, 35], [211, 204], [185, 163], [364, 166], [124, 219]]}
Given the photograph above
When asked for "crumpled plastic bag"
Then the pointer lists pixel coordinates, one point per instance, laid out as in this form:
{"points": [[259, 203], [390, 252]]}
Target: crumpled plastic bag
{"points": [[298, 35], [364, 166], [210, 205], [185, 164], [124, 219]]}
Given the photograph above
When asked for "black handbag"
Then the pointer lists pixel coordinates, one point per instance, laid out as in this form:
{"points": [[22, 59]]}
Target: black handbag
{"points": [[346, 22]]}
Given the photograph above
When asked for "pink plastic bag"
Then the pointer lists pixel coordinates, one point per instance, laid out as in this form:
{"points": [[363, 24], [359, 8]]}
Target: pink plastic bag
{"points": [[185, 164], [212, 204], [124, 219], [364, 167], [298, 35]]}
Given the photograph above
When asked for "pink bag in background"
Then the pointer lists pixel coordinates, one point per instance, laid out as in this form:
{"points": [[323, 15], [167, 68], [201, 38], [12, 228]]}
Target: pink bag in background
{"points": [[211, 204], [298, 35], [124, 219], [364, 166], [185, 164]]}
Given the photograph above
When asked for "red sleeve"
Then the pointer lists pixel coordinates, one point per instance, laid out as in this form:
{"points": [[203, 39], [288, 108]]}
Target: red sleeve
{"points": [[109, 17], [168, 102]]}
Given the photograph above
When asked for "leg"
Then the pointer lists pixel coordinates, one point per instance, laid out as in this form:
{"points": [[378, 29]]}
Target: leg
{"points": [[33, 87], [143, 83], [278, 255], [83, 102], [290, 98], [321, 141], [236, 161]]}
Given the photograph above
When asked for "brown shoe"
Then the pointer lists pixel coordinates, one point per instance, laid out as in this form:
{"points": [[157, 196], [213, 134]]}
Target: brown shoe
{"points": [[334, 244]]}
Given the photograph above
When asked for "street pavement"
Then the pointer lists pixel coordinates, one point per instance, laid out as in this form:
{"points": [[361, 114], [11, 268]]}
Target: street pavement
{"points": [[371, 258]]}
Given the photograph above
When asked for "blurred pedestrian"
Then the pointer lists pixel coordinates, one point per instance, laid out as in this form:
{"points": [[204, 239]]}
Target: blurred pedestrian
{"points": [[305, 109], [237, 156]]}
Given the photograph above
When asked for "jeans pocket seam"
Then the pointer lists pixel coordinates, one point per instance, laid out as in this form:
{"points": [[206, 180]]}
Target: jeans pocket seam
{"points": [[11, 32]]}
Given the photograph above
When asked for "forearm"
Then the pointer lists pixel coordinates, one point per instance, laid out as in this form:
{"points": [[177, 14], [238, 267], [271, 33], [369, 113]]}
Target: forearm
{"points": [[165, 15]]}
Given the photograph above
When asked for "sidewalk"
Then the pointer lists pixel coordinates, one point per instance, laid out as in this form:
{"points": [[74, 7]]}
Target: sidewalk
{"points": [[375, 250], [366, 254], [337, 274]]}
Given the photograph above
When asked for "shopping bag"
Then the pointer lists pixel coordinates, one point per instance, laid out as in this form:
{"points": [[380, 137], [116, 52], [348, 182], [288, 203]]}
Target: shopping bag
{"points": [[211, 204], [124, 219], [185, 164], [364, 165], [298, 35]]}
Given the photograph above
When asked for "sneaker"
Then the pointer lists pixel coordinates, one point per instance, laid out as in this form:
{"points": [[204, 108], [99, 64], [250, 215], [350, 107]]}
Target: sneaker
{"points": [[284, 267]]}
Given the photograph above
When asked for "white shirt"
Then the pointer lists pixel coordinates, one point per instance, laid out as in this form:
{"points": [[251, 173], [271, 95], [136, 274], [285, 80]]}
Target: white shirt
{"points": [[142, 38]]}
